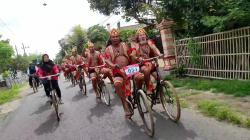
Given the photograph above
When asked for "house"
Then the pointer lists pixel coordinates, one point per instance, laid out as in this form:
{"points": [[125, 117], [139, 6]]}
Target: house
{"points": [[132, 27]]}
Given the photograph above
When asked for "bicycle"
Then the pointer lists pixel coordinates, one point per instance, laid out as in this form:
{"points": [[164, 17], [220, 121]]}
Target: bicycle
{"points": [[101, 87], [166, 92], [53, 94], [139, 100], [72, 79], [34, 83], [82, 83]]}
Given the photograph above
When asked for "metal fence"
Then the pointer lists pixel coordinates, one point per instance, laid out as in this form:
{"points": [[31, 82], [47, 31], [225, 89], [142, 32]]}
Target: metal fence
{"points": [[224, 55]]}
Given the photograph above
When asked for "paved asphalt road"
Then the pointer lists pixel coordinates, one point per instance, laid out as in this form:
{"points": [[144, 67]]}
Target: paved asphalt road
{"points": [[82, 118]]}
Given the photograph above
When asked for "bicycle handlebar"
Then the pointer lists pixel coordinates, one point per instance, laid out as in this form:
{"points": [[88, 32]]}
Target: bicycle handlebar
{"points": [[49, 76], [153, 58], [97, 66]]}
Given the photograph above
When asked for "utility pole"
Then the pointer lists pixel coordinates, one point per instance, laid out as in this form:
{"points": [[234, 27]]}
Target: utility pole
{"points": [[16, 51], [24, 47], [119, 25]]}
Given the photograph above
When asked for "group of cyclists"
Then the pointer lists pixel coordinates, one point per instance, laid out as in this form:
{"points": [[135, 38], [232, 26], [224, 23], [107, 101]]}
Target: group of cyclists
{"points": [[116, 56], [121, 63]]}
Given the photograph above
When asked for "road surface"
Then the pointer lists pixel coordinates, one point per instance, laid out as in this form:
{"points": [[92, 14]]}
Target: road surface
{"points": [[82, 118]]}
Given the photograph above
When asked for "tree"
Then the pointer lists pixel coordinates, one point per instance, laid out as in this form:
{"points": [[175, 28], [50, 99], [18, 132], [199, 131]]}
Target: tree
{"points": [[192, 17], [6, 52], [126, 34], [98, 33], [20, 63], [34, 58], [77, 38], [229, 14], [141, 10]]}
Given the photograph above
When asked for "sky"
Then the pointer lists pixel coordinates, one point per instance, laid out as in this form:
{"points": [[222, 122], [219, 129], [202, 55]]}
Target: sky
{"points": [[40, 27]]}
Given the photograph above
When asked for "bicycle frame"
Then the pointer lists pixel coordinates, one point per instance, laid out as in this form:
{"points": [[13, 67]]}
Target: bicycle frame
{"points": [[158, 80]]}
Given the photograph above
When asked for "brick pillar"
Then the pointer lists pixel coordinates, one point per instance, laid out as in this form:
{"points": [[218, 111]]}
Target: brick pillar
{"points": [[167, 43]]}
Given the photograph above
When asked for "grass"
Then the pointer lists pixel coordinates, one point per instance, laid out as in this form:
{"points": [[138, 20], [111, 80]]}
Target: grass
{"points": [[232, 87], [7, 95], [183, 103], [223, 112]]}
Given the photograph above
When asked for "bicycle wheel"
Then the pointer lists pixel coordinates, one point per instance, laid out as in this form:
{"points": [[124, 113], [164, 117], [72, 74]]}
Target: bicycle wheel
{"points": [[55, 104], [170, 101], [82, 85], [105, 93], [72, 80], [145, 111], [34, 85]]}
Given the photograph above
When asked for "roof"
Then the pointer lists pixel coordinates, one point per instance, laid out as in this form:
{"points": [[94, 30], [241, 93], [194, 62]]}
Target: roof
{"points": [[132, 27]]}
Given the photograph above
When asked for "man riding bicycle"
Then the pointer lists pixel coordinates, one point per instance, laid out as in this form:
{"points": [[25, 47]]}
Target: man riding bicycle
{"points": [[117, 57], [94, 59], [32, 73], [76, 60], [144, 49]]}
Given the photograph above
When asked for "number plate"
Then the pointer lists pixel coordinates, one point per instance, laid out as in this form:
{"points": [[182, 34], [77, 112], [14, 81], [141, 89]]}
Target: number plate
{"points": [[131, 70]]}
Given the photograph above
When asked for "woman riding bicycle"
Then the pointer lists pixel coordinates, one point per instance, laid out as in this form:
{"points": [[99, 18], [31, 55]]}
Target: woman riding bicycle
{"points": [[49, 68]]}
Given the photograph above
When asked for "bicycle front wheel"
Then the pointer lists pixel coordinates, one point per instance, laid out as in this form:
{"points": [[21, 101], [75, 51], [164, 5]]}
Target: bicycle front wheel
{"points": [[55, 102], [84, 89], [170, 101], [145, 111], [105, 94], [34, 85]]}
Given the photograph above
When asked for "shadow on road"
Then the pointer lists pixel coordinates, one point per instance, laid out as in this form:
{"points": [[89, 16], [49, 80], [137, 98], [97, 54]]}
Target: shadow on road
{"points": [[164, 129], [79, 96], [42, 108], [49, 126], [99, 110]]}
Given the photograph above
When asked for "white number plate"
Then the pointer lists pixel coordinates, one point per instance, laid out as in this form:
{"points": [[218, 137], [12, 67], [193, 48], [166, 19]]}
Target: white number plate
{"points": [[131, 70]]}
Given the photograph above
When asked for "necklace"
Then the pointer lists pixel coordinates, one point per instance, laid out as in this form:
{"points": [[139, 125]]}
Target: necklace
{"points": [[145, 50], [117, 50]]}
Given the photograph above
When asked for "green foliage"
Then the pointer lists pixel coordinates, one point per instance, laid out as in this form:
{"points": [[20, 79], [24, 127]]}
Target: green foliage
{"points": [[98, 34], [195, 52], [22, 62], [192, 17], [247, 122], [77, 38], [126, 34], [181, 71], [228, 14], [131, 8], [32, 58], [221, 112], [6, 74], [6, 52], [10, 94], [233, 87], [152, 33]]}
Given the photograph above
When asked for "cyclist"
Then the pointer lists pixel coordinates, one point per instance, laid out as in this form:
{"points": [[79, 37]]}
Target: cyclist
{"points": [[32, 72], [67, 66], [144, 49], [76, 60], [94, 58], [117, 56], [49, 68]]}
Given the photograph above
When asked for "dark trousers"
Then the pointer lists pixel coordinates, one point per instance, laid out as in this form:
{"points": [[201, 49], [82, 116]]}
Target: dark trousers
{"points": [[55, 86], [30, 80]]}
